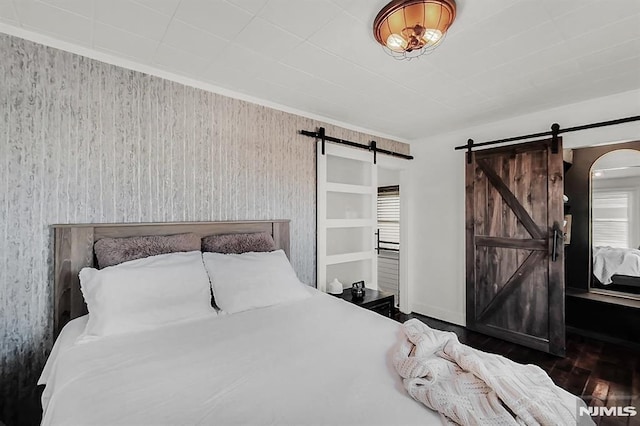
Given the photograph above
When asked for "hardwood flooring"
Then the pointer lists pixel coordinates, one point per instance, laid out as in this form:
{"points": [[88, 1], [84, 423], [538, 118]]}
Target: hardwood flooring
{"points": [[602, 374]]}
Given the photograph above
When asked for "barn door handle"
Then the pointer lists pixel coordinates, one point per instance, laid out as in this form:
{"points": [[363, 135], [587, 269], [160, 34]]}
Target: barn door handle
{"points": [[557, 237]]}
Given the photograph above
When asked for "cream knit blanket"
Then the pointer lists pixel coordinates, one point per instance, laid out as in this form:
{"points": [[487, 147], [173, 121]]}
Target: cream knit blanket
{"points": [[471, 387]]}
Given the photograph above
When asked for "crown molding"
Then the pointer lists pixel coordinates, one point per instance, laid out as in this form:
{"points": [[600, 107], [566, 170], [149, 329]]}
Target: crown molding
{"points": [[157, 72]]}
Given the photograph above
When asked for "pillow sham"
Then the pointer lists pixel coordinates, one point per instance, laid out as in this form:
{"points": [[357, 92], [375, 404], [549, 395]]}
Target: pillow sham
{"points": [[238, 243], [145, 293], [252, 280], [113, 251]]}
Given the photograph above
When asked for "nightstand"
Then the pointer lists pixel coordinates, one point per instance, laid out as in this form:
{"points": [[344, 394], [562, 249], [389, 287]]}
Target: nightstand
{"points": [[374, 300]]}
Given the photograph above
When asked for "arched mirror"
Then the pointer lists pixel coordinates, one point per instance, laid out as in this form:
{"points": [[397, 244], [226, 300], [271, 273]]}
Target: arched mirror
{"points": [[615, 223]]}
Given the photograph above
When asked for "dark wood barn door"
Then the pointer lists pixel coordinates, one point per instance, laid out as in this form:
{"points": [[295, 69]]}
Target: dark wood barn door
{"points": [[514, 252]]}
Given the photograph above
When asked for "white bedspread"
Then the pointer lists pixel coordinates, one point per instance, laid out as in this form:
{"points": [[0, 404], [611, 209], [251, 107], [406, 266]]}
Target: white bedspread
{"points": [[609, 261], [319, 361]]}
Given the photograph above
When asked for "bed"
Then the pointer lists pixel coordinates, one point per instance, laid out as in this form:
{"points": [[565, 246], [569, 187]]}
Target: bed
{"points": [[618, 266], [315, 359]]}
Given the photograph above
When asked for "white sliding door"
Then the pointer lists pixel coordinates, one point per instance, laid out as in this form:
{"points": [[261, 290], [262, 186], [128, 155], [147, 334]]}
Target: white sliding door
{"points": [[346, 216]]}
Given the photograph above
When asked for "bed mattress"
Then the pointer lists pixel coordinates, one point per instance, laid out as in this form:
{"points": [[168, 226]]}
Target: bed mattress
{"points": [[317, 361]]}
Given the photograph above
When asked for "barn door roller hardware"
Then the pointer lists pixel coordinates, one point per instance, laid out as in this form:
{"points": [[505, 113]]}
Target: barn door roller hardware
{"points": [[554, 132], [373, 146]]}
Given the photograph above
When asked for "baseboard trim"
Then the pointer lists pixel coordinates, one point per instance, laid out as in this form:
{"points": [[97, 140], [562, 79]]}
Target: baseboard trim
{"points": [[438, 313]]}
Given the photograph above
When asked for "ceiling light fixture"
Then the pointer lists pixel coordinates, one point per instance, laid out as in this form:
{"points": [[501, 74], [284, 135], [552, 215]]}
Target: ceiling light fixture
{"points": [[410, 28]]}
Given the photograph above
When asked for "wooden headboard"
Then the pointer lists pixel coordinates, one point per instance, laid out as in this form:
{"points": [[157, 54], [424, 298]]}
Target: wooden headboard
{"points": [[74, 251]]}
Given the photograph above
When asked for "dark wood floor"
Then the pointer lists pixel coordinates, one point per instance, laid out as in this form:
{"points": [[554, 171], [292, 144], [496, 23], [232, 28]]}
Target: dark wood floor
{"points": [[602, 374]]}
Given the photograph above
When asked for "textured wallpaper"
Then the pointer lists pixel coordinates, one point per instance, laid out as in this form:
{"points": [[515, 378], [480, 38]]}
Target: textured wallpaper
{"points": [[82, 141], [86, 142]]}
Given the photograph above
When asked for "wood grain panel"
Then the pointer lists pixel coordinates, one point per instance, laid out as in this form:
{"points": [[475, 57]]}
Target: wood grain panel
{"points": [[62, 278], [499, 185], [530, 244], [536, 319], [508, 263], [509, 220], [555, 212], [512, 277], [281, 236], [491, 259], [200, 228], [528, 308], [74, 249], [494, 200], [520, 185], [82, 141]]}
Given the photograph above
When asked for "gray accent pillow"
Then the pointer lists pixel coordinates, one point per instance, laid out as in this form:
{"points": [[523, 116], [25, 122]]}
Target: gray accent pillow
{"points": [[112, 251], [238, 243]]}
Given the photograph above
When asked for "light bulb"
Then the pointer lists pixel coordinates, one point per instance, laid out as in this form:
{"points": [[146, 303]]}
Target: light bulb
{"points": [[396, 43], [432, 36]]}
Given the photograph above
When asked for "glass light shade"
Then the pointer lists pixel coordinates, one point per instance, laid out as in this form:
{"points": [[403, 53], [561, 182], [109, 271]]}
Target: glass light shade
{"points": [[396, 43], [432, 36], [422, 24]]}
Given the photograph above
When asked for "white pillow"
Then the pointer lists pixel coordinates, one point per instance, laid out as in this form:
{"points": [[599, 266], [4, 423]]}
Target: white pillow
{"points": [[252, 280], [145, 293]]}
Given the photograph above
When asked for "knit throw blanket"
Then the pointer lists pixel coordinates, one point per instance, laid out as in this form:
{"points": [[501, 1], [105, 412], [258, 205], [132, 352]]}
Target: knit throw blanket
{"points": [[471, 387]]}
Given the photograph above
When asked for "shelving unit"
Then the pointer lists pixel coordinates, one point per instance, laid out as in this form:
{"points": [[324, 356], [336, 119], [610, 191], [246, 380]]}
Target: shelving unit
{"points": [[346, 217], [348, 257], [347, 188], [349, 223]]}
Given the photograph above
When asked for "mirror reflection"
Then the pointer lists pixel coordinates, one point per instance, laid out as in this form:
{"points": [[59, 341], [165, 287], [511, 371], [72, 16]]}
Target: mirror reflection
{"points": [[615, 221]]}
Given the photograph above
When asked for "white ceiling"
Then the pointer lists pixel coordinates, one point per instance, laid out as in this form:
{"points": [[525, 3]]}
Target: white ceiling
{"points": [[501, 58]]}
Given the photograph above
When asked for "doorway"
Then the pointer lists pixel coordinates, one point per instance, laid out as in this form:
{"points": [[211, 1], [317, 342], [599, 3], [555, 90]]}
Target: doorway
{"points": [[388, 232]]}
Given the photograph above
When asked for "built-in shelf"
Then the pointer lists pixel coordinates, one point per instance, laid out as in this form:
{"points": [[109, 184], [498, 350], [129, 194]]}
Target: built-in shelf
{"points": [[349, 257], [349, 223], [346, 216], [604, 298], [347, 188]]}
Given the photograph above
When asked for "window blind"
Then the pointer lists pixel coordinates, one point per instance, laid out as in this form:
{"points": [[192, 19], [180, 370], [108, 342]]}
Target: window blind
{"points": [[610, 218], [389, 217]]}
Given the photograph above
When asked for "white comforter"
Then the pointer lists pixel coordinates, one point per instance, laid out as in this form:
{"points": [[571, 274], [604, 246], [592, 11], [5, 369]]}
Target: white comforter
{"points": [[319, 361], [609, 261]]}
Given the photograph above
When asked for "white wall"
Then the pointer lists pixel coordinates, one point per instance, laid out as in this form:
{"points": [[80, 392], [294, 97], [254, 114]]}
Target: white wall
{"points": [[388, 177], [435, 194]]}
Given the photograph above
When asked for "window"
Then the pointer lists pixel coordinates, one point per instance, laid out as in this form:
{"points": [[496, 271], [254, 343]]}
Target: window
{"points": [[610, 218], [389, 217]]}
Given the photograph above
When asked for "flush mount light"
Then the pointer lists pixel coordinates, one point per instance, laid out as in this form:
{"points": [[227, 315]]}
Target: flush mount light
{"points": [[410, 28]]}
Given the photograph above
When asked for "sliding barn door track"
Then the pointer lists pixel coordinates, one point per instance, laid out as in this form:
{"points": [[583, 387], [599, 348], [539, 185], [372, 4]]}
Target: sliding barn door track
{"points": [[373, 147], [554, 132]]}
